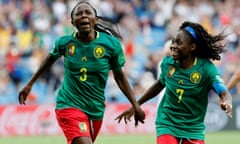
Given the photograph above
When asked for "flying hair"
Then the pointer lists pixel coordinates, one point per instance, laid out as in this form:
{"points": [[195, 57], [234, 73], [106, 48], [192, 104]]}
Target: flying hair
{"points": [[207, 45]]}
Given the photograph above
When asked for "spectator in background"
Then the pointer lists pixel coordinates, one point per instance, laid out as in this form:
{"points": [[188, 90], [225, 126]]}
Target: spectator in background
{"points": [[188, 76], [33, 25], [89, 55]]}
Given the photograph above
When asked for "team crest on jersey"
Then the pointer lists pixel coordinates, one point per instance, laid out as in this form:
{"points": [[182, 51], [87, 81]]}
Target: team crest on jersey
{"points": [[171, 71], [195, 77], [83, 127], [99, 52], [71, 49]]}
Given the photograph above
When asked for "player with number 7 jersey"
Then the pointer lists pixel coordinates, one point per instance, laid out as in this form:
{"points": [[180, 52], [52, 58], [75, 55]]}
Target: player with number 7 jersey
{"points": [[185, 100]]}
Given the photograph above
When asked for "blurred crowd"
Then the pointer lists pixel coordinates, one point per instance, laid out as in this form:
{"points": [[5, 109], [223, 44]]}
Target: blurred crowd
{"points": [[28, 29]]}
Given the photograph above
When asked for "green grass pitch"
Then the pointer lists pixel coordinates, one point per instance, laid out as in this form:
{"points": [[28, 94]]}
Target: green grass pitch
{"points": [[223, 137]]}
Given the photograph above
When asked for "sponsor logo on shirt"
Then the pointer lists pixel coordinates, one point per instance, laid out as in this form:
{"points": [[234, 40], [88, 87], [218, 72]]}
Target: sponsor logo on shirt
{"points": [[195, 77], [99, 52]]}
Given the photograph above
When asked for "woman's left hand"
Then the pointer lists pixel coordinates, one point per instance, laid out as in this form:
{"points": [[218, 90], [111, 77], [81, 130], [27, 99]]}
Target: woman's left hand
{"points": [[139, 115], [226, 105]]}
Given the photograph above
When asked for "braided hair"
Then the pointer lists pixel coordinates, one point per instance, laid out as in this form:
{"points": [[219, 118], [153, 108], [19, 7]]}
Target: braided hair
{"points": [[104, 24], [207, 45]]}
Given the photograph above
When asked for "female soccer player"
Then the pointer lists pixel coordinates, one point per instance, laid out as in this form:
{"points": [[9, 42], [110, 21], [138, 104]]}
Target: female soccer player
{"points": [[188, 75], [89, 54]]}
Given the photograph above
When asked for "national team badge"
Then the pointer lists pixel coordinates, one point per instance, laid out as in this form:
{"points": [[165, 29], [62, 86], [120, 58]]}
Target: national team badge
{"points": [[83, 126], [71, 49], [99, 52], [195, 77], [171, 71]]}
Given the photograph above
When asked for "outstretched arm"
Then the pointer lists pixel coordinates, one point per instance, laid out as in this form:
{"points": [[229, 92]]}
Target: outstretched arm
{"points": [[22, 96]]}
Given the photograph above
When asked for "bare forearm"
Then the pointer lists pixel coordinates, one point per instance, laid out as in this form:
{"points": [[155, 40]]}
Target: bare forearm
{"points": [[125, 87], [49, 60], [153, 91]]}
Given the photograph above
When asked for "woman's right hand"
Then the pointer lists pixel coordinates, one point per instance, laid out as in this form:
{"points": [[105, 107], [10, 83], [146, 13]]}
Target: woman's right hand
{"points": [[22, 96]]}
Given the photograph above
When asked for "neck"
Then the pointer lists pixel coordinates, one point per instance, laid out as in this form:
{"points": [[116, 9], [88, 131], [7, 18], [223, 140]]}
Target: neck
{"points": [[187, 62], [86, 37]]}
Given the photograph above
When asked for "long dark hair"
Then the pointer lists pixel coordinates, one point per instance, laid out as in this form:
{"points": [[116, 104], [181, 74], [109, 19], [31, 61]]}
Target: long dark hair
{"points": [[104, 24], [208, 46]]}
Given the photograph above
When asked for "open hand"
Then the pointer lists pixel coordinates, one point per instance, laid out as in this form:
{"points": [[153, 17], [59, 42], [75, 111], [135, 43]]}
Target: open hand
{"points": [[126, 115]]}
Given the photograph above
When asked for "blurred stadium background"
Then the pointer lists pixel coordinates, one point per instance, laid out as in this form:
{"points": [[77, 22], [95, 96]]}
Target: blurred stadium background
{"points": [[28, 29]]}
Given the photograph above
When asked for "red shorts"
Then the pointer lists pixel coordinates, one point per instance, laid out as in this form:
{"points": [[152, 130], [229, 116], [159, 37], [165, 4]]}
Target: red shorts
{"points": [[75, 123], [169, 139]]}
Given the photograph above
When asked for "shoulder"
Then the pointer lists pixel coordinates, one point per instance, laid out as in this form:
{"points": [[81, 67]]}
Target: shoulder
{"points": [[208, 67], [63, 40], [206, 62], [108, 39], [168, 60]]}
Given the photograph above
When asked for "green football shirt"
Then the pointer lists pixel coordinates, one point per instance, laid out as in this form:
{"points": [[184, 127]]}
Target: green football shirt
{"points": [[183, 107], [86, 69]]}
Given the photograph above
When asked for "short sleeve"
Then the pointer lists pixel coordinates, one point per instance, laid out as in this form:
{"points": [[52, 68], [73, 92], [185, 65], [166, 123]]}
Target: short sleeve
{"points": [[163, 70], [118, 58], [214, 74], [57, 50]]}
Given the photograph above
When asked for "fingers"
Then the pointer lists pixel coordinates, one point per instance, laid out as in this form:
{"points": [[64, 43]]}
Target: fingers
{"points": [[125, 116], [119, 118], [21, 99], [127, 119], [137, 120], [22, 96], [227, 108], [136, 123]]}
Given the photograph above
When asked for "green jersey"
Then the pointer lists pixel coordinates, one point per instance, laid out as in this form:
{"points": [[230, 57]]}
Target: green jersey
{"points": [[87, 65], [183, 107]]}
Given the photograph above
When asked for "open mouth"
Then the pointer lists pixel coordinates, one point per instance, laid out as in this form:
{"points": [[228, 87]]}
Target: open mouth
{"points": [[84, 24]]}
